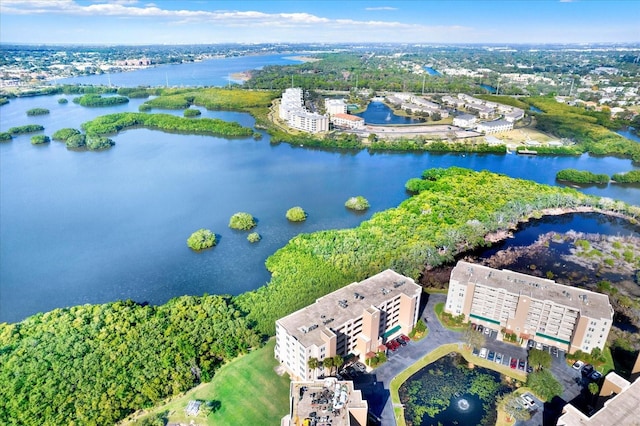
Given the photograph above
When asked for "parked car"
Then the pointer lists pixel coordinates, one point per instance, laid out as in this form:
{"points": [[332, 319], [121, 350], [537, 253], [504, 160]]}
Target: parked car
{"points": [[483, 353], [480, 328], [360, 367], [476, 351], [514, 363], [587, 370], [405, 337], [530, 344], [531, 403], [487, 331], [539, 346], [596, 375], [492, 356], [578, 365], [521, 364], [529, 369], [401, 341], [499, 358], [554, 350]]}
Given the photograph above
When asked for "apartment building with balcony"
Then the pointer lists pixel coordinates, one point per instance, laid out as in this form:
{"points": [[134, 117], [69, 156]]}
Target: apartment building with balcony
{"points": [[355, 319], [535, 308]]}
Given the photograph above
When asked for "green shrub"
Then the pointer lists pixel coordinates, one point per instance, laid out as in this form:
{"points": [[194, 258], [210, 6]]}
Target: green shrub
{"points": [[254, 237], [93, 100], [357, 203], [29, 128], [191, 112], [243, 221], [296, 214], [201, 239], [5, 136], [76, 141], [96, 142], [63, 134], [632, 176], [62, 101], [581, 176], [37, 111], [39, 139]]}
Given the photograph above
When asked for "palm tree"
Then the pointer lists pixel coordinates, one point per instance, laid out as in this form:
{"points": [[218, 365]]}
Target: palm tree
{"points": [[313, 364], [328, 363], [337, 362]]}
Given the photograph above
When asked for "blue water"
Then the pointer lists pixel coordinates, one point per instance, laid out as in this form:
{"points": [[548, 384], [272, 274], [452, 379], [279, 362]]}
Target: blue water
{"points": [[379, 113], [431, 71], [488, 88], [627, 133], [211, 72], [93, 227], [534, 109]]}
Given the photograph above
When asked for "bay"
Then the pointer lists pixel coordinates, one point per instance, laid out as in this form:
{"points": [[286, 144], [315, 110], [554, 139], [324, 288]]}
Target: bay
{"points": [[210, 72], [94, 227]]}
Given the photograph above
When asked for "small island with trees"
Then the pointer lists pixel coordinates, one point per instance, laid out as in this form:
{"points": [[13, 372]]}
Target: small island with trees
{"points": [[242, 221], [358, 203], [582, 177], [201, 239], [37, 111], [296, 214]]}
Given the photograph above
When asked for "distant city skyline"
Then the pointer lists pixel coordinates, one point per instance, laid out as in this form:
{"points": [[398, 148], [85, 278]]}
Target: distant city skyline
{"points": [[208, 22]]}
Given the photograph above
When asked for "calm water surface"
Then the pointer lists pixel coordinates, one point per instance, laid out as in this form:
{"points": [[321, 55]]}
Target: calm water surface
{"points": [[93, 227], [379, 113]]}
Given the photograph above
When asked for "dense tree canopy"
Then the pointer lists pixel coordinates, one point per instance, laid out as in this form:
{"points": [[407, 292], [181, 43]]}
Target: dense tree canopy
{"points": [[581, 176], [242, 220], [357, 203], [39, 139], [95, 100], [37, 111], [28, 128], [632, 176], [63, 134], [296, 214], [201, 239]]}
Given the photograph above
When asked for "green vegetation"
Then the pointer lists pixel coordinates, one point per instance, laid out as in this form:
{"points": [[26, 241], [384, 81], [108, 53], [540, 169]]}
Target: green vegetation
{"points": [[201, 239], [544, 384], [29, 128], [113, 123], [37, 111], [119, 356], [632, 176], [76, 141], [95, 100], [296, 214], [63, 135], [135, 92], [581, 176], [229, 405], [242, 221], [449, 321], [254, 237], [192, 112], [357, 203], [214, 99], [39, 139], [449, 215], [63, 101], [590, 129], [3, 100], [97, 143], [5, 136], [539, 359]]}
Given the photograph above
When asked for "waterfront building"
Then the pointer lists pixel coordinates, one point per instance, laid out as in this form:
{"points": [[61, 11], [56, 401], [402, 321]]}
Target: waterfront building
{"points": [[348, 121], [496, 126], [335, 106], [535, 308], [330, 401], [354, 320], [465, 121], [292, 110]]}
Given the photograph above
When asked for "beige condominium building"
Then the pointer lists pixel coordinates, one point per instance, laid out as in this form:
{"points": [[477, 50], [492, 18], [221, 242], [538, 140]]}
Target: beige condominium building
{"points": [[355, 319], [535, 308]]}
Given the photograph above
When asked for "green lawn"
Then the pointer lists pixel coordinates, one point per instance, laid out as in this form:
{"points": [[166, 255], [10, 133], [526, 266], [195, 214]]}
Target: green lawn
{"points": [[444, 320], [246, 391]]}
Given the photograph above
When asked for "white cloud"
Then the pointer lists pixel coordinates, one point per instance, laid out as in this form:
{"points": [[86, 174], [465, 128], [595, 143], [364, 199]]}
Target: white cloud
{"points": [[381, 8]]}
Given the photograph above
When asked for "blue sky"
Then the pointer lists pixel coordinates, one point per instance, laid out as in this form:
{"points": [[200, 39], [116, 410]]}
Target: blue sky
{"points": [[426, 21]]}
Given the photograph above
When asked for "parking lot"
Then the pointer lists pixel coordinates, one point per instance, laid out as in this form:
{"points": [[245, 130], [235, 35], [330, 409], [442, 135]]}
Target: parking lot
{"points": [[501, 352]]}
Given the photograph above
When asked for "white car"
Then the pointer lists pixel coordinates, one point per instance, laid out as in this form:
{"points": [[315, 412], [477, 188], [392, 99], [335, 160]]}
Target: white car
{"points": [[578, 365], [528, 401], [483, 353]]}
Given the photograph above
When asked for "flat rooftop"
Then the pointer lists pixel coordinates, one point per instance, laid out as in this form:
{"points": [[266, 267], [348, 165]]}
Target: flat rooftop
{"points": [[327, 401], [621, 410], [344, 304], [589, 303]]}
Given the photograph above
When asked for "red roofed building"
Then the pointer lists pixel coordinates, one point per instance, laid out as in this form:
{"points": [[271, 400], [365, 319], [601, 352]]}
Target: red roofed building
{"points": [[347, 120]]}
